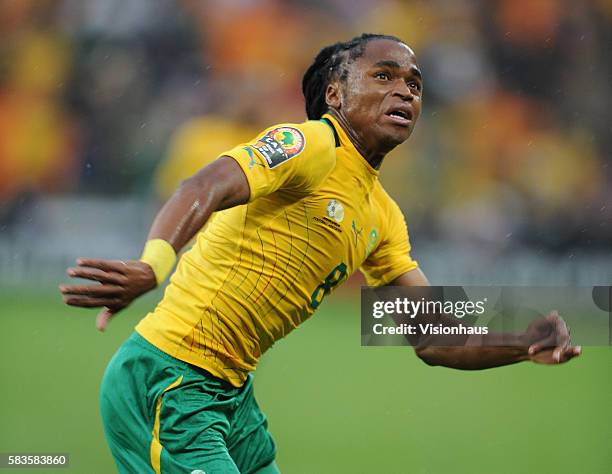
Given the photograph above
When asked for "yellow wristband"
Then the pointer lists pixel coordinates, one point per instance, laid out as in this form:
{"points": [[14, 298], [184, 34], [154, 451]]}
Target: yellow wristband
{"points": [[161, 256]]}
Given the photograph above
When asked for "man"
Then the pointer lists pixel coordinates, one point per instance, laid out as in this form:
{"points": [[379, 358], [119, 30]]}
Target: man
{"points": [[301, 209]]}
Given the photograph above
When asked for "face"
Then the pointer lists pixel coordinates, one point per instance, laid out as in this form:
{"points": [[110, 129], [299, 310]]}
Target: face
{"points": [[381, 97]]}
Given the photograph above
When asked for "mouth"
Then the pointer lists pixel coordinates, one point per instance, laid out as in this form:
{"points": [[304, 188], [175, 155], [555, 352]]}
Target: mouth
{"points": [[400, 116]]}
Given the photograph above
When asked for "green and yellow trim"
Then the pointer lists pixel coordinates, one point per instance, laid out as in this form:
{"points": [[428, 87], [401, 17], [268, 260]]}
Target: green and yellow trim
{"points": [[156, 446]]}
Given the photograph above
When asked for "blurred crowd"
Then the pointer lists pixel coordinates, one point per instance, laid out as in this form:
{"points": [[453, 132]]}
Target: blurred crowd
{"points": [[130, 96]]}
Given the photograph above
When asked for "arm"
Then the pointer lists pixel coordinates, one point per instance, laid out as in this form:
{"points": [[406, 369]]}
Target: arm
{"points": [[245, 173], [220, 185], [546, 341]]}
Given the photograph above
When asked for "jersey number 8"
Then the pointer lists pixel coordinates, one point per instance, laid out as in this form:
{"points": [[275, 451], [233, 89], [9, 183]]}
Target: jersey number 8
{"points": [[331, 281]]}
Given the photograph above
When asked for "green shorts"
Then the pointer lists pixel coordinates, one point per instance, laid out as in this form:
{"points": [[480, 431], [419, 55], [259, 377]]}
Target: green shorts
{"points": [[162, 415]]}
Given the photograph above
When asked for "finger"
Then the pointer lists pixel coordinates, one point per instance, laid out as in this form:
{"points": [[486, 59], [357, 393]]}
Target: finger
{"points": [[561, 330], [103, 319], [571, 352], [90, 301], [91, 290], [557, 353], [548, 342], [96, 275], [564, 354], [118, 266]]}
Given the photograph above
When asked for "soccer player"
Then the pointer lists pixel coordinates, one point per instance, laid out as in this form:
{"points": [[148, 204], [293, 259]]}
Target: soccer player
{"points": [[297, 210]]}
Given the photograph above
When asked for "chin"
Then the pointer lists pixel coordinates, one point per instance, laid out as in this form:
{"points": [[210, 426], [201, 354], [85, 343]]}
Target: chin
{"points": [[396, 138]]}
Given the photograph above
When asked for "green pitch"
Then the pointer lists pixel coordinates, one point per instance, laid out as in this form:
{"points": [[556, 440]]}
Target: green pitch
{"points": [[334, 407]]}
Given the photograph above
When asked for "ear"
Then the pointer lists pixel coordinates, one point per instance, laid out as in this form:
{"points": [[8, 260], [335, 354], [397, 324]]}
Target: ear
{"points": [[333, 95]]}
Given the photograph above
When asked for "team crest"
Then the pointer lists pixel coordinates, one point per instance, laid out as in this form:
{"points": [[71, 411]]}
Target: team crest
{"points": [[335, 210], [280, 144]]}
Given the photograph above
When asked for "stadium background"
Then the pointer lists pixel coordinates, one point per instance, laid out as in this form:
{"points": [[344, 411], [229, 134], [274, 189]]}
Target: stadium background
{"points": [[106, 105]]}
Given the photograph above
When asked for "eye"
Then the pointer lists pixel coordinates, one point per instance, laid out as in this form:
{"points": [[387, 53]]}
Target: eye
{"points": [[414, 85], [382, 76]]}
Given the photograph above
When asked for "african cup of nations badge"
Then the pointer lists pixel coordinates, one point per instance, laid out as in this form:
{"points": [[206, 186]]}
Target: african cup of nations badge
{"points": [[280, 144], [335, 210]]}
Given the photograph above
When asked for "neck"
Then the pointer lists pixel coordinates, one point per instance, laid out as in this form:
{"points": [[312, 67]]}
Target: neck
{"points": [[372, 156]]}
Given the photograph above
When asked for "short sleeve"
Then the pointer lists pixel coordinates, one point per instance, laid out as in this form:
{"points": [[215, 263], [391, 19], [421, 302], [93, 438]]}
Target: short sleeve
{"points": [[391, 258], [297, 157]]}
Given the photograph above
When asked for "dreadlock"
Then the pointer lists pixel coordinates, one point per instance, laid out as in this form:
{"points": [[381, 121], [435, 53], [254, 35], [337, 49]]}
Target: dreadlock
{"points": [[331, 63]]}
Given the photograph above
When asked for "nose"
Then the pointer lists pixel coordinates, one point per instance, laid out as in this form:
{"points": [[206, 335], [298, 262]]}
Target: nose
{"points": [[402, 91]]}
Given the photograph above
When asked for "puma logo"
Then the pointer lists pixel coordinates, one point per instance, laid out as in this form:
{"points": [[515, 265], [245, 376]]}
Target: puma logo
{"points": [[356, 231]]}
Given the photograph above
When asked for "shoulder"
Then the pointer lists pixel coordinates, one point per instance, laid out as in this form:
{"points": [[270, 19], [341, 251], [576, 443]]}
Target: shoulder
{"points": [[283, 142]]}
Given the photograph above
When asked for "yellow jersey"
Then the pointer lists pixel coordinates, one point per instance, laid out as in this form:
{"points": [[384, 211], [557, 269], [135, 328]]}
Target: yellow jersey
{"points": [[317, 212]]}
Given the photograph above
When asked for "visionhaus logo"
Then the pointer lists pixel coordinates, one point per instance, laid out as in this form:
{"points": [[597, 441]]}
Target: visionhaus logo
{"points": [[448, 315], [423, 308]]}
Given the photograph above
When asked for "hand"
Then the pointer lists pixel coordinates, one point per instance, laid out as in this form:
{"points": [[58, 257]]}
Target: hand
{"points": [[549, 340], [119, 283]]}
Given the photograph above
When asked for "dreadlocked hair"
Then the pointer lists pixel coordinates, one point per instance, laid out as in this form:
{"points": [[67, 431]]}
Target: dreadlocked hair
{"points": [[331, 63]]}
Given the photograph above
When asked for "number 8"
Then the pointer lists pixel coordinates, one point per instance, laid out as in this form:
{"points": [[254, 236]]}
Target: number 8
{"points": [[331, 281]]}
